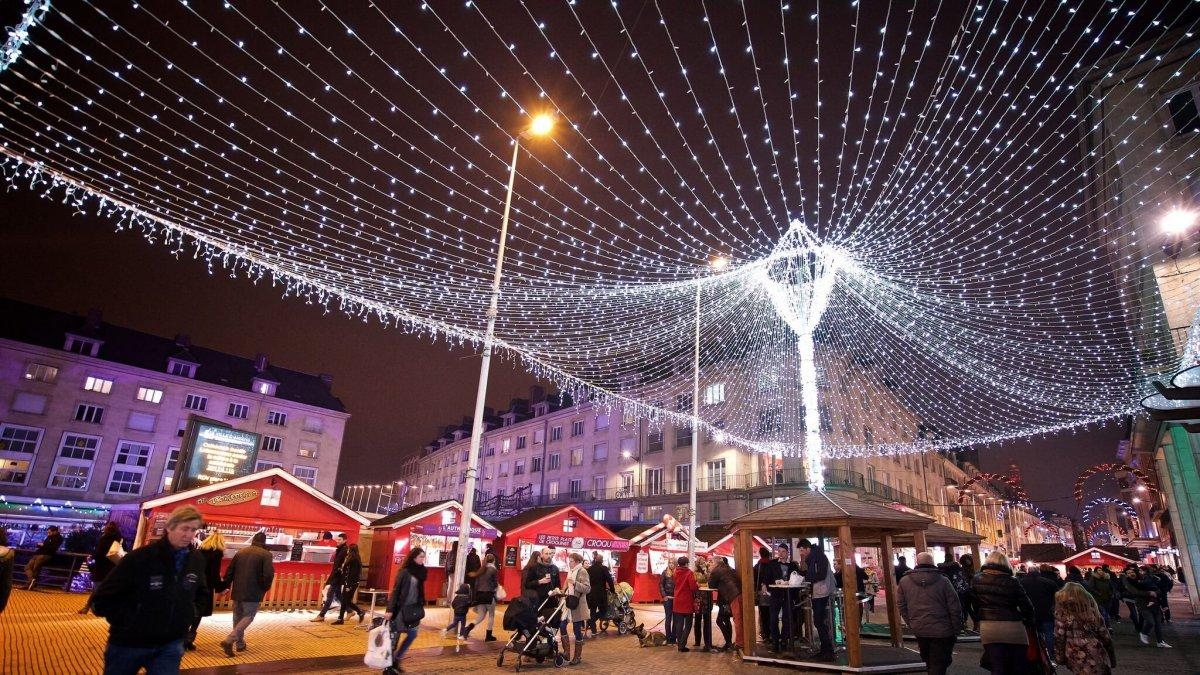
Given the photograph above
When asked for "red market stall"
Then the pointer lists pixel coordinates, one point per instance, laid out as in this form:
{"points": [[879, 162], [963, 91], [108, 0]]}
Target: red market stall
{"points": [[433, 526], [567, 528], [650, 548], [1095, 557], [293, 515]]}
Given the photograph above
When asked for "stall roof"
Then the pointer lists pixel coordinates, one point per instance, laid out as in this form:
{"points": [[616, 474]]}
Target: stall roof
{"points": [[1044, 553], [640, 535], [541, 513], [1105, 552], [936, 535], [273, 472], [828, 509], [424, 509]]}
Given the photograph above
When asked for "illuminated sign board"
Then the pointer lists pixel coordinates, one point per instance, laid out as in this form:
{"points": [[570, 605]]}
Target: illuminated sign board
{"points": [[213, 453]]}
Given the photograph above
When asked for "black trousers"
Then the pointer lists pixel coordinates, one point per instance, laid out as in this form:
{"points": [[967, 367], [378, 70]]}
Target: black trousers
{"points": [[820, 610], [937, 653], [725, 623], [683, 628], [704, 626]]}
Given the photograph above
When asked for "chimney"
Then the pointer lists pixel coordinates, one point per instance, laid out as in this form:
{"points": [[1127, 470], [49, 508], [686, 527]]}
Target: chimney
{"points": [[182, 340], [260, 362], [537, 394], [327, 380], [93, 320]]}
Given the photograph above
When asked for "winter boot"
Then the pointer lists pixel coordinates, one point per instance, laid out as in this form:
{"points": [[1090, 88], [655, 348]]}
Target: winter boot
{"points": [[490, 637], [566, 645], [578, 653], [466, 632]]}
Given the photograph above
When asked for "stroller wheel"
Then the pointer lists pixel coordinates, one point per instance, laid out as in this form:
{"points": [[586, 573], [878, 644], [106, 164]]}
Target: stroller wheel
{"points": [[603, 625], [559, 660], [622, 628]]}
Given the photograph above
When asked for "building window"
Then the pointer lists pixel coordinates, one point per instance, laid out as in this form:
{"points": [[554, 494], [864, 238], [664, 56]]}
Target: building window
{"points": [[99, 385], [654, 441], [598, 489], [1184, 112], [556, 433], [601, 422], [308, 449], [683, 436], [716, 475], [683, 402], [73, 467], [502, 470], [868, 435], [600, 452], [462, 477], [181, 368], [654, 481], [521, 442], [555, 461], [538, 436], [129, 468], [40, 372], [23, 440], [26, 402], [535, 464], [264, 387], [714, 394], [552, 490], [683, 478], [519, 467], [272, 443], [314, 425], [506, 446], [576, 428], [238, 410], [491, 452], [149, 395], [277, 418], [196, 402], [577, 456], [769, 421], [14, 471], [140, 421], [598, 514], [80, 345], [714, 510], [576, 487], [308, 474], [86, 412], [263, 465]]}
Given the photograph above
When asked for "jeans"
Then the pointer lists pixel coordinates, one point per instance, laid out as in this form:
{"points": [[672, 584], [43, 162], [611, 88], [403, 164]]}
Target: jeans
{"points": [[568, 623], [764, 621], [487, 609], [669, 620], [460, 621], [409, 634], [1152, 620], [162, 660], [1134, 615], [1006, 659], [937, 653], [348, 594], [243, 616], [703, 626], [1046, 630], [779, 610], [34, 566], [334, 593], [820, 610], [683, 627]]}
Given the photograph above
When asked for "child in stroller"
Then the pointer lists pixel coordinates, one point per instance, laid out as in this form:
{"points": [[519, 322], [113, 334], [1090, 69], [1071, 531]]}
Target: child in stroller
{"points": [[620, 612], [534, 631]]}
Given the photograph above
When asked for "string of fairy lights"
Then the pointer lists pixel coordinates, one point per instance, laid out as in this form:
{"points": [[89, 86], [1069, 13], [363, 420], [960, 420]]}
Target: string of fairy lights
{"points": [[898, 188]]}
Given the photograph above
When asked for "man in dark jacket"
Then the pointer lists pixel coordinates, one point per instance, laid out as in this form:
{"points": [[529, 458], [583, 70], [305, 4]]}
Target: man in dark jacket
{"points": [[930, 606], [45, 551], [818, 572], [1041, 589], [666, 588], [602, 584], [901, 569], [336, 579], [249, 575], [149, 600]]}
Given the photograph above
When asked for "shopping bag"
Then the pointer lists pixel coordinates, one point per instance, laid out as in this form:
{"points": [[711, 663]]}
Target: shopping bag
{"points": [[379, 647], [115, 553], [501, 594]]}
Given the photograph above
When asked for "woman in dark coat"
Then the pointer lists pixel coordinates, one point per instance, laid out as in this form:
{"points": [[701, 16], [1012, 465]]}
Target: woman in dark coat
{"points": [[351, 576], [101, 565], [1004, 610], [213, 550], [407, 591]]}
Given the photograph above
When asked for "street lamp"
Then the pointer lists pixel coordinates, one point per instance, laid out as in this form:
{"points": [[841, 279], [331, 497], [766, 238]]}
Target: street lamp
{"points": [[715, 265], [1177, 221], [541, 125]]}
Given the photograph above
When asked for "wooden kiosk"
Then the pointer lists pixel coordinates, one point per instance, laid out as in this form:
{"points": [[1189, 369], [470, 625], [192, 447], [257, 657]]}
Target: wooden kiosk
{"points": [[850, 520]]}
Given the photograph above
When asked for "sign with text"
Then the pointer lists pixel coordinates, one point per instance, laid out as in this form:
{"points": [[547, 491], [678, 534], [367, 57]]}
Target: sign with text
{"points": [[214, 452], [452, 530], [581, 543], [230, 498]]}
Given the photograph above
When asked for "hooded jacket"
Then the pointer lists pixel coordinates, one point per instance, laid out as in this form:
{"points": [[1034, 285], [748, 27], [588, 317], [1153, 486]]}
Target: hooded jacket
{"points": [[685, 591], [929, 603], [146, 602]]}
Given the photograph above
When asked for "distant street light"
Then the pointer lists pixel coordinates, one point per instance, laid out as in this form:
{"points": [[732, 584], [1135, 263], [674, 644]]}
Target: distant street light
{"points": [[1178, 221], [539, 126]]}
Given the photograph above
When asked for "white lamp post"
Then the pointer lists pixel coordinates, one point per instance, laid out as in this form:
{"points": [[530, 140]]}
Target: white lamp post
{"points": [[716, 265], [540, 126]]}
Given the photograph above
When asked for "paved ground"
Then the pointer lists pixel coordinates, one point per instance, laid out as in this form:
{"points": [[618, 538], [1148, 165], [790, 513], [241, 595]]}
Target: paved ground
{"points": [[41, 634]]}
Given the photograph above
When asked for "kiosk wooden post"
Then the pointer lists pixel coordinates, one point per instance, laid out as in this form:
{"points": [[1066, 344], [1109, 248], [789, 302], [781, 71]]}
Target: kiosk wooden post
{"points": [[919, 542], [889, 583], [850, 607], [743, 555]]}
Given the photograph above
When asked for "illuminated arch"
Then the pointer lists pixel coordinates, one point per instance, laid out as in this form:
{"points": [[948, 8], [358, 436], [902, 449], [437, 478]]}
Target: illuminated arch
{"points": [[1126, 507], [1110, 467], [993, 478]]}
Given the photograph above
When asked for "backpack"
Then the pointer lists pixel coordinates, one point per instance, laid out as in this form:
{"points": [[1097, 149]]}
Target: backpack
{"points": [[959, 581]]}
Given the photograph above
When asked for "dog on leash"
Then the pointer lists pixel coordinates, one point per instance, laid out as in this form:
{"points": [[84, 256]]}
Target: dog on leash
{"points": [[648, 638]]}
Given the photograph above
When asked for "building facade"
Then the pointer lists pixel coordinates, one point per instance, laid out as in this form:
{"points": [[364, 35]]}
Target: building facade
{"points": [[93, 414]]}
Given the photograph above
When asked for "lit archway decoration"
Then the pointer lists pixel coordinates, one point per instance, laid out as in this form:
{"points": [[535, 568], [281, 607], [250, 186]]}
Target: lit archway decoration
{"points": [[1110, 467], [1050, 533], [1125, 506], [1099, 524], [1096, 536], [1009, 484], [1023, 504]]}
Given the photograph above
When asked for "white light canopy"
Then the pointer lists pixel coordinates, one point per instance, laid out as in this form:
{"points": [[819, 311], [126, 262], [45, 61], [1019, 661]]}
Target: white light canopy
{"points": [[898, 187]]}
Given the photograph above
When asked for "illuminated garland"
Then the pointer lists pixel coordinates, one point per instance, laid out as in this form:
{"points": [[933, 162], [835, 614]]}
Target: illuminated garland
{"points": [[1009, 484], [905, 213], [1032, 508], [1110, 467], [1125, 507]]}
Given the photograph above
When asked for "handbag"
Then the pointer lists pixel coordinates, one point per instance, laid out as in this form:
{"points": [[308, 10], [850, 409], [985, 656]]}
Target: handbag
{"points": [[379, 647], [115, 553], [501, 594], [412, 614], [572, 601]]}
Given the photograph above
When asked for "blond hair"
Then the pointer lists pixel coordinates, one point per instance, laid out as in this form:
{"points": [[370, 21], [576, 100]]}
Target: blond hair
{"points": [[215, 541], [183, 514], [1074, 604], [997, 558]]}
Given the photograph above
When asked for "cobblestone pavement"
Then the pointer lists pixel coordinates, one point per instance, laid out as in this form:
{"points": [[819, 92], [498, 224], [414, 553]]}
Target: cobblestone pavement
{"points": [[41, 633]]}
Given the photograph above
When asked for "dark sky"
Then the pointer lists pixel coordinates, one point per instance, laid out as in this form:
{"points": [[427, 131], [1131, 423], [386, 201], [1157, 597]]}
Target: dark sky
{"points": [[400, 389]]}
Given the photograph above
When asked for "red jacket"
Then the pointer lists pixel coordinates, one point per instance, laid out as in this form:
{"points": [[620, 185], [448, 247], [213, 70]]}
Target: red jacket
{"points": [[685, 591]]}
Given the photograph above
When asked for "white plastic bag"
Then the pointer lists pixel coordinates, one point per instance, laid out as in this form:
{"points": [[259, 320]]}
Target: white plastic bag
{"points": [[379, 647], [795, 579], [115, 553], [501, 594]]}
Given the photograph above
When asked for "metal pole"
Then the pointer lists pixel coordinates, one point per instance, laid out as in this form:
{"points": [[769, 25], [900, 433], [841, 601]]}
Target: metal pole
{"points": [[691, 549], [464, 530]]}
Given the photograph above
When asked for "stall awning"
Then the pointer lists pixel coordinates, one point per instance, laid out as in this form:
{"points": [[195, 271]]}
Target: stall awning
{"points": [[554, 534], [480, 528]]}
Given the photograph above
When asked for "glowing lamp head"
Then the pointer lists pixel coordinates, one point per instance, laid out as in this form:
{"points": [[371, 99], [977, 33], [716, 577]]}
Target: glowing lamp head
{"points": [[541, 125], [718, 263], [1178, 221]]}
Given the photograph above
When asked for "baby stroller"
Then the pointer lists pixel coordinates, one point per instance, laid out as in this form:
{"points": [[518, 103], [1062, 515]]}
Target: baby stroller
{"points": [[620, 612], [535, 631]]}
